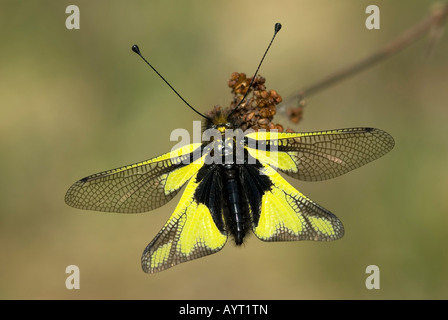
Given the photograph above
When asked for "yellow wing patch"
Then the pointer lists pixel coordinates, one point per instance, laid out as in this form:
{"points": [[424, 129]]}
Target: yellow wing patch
{"points": [[160, 255], [324, 226], [175, 156], [280, 160], [277, 216], [287, 215], [199, 230], [190, 233], [272, 135], [177, 178]]}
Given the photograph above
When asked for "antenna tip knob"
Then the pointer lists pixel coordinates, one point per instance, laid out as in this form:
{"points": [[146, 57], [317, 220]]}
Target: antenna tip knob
{"points": [[136, 49], [277, 27]]}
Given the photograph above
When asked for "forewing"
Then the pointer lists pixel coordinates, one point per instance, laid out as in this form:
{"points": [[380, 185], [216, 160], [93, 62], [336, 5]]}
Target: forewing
{"points": [[190, 233], [139, 187], [284, 214], [321, 155]]}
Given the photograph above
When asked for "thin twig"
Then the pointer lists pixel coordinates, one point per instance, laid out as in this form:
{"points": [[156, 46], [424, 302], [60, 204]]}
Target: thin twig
{"points": [[432, 24]]}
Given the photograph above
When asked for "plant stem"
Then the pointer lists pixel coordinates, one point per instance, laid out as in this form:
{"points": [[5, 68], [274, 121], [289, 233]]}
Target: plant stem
{"points": [[431, 24]]}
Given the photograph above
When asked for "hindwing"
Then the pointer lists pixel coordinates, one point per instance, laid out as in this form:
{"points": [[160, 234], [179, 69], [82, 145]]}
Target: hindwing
{"points": [[192, 230], [284, 214]]}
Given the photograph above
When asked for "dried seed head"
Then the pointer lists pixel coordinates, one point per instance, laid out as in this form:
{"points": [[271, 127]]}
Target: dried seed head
{"points": [[264, 113], [263, 121], [259, 108], [264, 94]]}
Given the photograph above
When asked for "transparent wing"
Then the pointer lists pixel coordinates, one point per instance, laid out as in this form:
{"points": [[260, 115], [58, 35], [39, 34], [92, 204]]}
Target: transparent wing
{"points": [[139, 187], [321, 155], [190, 233], [285, 214]]}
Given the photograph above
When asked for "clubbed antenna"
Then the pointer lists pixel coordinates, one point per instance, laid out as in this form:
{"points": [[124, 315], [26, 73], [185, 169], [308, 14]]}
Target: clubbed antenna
{"points": [[136, 49], [277, 28]]}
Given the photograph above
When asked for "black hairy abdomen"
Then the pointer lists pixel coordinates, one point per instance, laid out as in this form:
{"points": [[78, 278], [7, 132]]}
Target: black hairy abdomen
{"points": [[233, 195]]}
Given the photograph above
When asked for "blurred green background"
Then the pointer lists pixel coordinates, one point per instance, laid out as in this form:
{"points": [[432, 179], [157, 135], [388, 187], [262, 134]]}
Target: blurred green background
{"points": [[76, 102]]}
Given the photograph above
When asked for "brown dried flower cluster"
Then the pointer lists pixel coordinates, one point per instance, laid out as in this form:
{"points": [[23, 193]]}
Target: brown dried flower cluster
{"points": [[259, 107]]}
